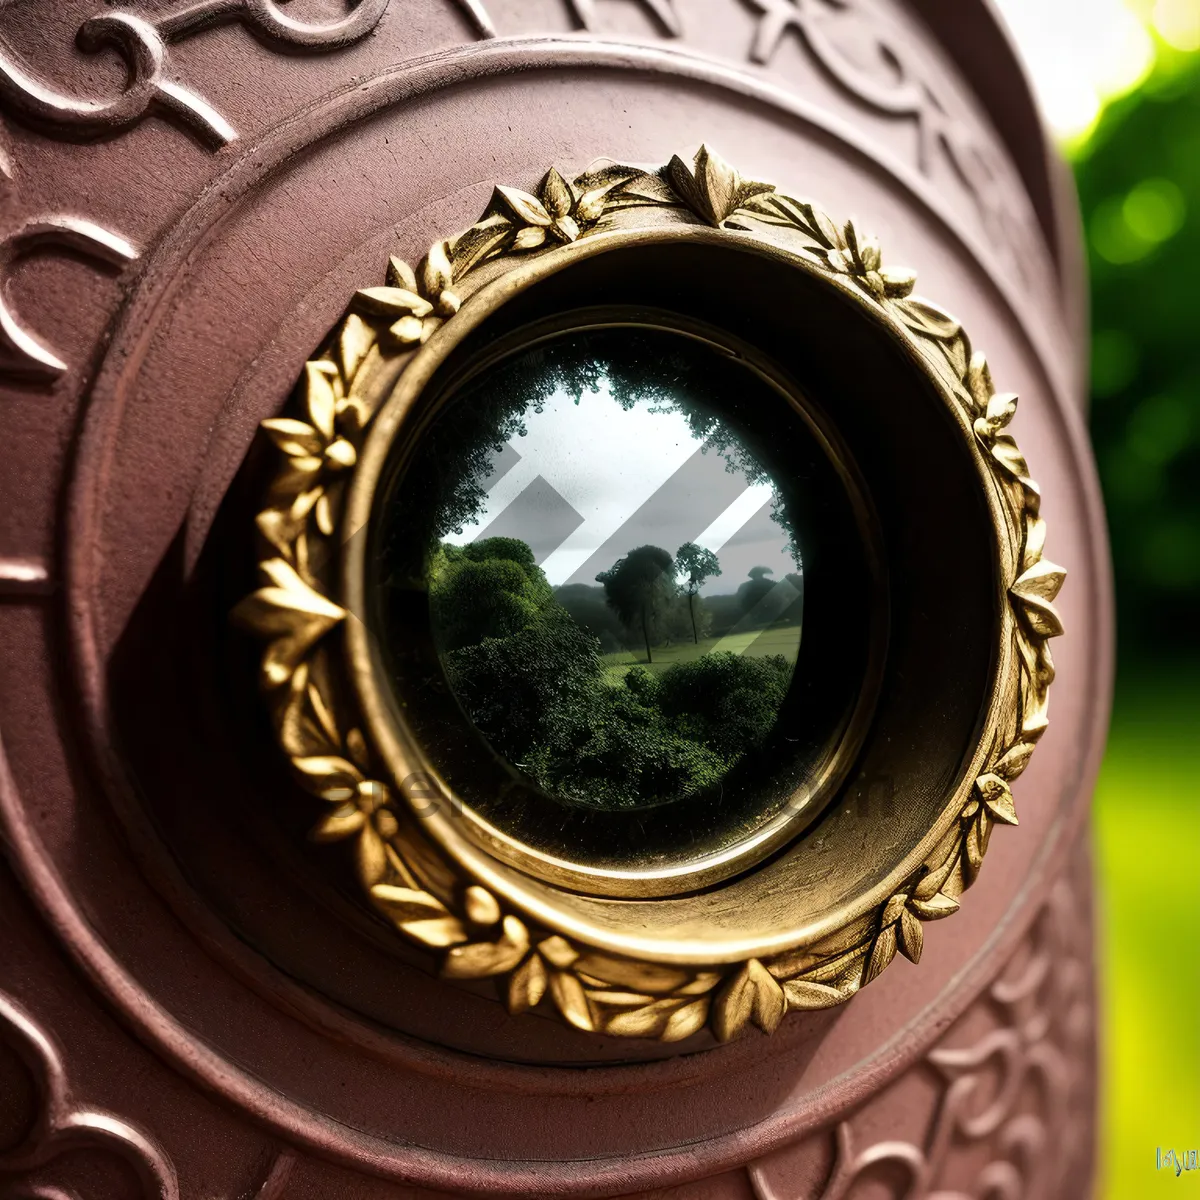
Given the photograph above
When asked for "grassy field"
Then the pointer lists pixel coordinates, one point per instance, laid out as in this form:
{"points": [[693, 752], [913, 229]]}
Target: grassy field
{"points": [[1147, 814], [784, 639]]}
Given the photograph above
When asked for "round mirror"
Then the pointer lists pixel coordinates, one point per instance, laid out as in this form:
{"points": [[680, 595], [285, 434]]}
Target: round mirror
{"points": [[611, 530]]}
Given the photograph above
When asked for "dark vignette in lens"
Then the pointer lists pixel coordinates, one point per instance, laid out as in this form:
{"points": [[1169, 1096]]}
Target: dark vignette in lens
{"points": [[531, 678]]}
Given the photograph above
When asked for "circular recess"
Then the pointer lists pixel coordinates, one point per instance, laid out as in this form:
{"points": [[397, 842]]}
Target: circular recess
{"points": [[840, 412], [587, 581]]}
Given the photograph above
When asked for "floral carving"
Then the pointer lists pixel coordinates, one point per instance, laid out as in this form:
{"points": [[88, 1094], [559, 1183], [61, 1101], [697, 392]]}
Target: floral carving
{"points": [[63, 1125]]}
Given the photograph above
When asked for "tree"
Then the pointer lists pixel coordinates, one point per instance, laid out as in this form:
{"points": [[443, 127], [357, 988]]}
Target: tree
{"points": [[698, 565], [755, 588], [640, 587], [488, 589]]}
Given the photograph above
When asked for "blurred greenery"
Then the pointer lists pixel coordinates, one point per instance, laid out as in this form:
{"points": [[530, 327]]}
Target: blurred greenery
{"points": [[1139, 184]]}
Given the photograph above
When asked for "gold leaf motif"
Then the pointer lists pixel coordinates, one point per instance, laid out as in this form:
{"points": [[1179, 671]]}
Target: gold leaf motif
{"points": [[911, 938], [401, 275], [1005, 452], [332, 778], [979, 383], [591, 203], [607, 999], [392, 302], [341, 455], [712, 188], [627, 973], [481, 906], [527, 985], [935, 907], [685, 1021], [291, 612], [438, 934], [558, 952], [930, 884], [526, 208], [565, 229], [295, 438], [1042, 618], [479, 959], [893, 908], [323, 511], [556, 194], [752, 994], [436, 272], [408, 330], [898, 282], [1014, 762], [926, 318], [529, 238], [340, 823], [649, 1021], [973, 846], [480, 242], [371, 859], [882, 952], [805, 995], [404, 904], [319, 399], [571, 1000], [998, 798], [1001, 409], [1042, 581], [705, 981]]}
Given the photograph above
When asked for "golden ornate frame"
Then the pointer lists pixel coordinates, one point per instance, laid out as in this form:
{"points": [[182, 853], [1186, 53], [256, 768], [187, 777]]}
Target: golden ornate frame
{"points": [[442, 901]]}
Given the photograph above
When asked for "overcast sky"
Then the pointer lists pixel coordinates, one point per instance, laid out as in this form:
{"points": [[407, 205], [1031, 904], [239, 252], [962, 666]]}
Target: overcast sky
{"points": [[591, 481]]}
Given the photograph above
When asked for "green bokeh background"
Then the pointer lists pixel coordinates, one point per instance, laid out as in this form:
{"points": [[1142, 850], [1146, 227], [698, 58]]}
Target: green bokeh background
{"points": [[1139, 185]]}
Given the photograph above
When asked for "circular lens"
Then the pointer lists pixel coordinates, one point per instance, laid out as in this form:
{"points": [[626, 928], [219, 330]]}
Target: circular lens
{"points": [[617, 591], [604, 540]]}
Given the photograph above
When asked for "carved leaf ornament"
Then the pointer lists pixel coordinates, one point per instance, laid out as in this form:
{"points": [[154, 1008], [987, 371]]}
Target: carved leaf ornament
{"points": [[423, 897]]}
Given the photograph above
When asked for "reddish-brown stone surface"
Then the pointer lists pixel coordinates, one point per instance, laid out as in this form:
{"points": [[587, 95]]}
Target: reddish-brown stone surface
{"points": [[187, 1014]]}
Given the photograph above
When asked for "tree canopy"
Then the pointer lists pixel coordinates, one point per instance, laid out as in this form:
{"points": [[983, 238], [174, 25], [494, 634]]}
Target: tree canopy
{"points": [[532, 682], [640, 588], [697, 565]]}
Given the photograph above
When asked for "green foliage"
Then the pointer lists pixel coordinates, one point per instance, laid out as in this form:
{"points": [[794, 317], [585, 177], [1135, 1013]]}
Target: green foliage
{"points": [[489, 589], [727, 701], [1139, 185], [641, 590], [531, 688], [588, 607], [697, 564], [624, 755], [755, 588], [530, 678]]}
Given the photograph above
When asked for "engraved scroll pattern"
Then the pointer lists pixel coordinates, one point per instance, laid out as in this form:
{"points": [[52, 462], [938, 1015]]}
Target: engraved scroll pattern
{"points": [[1017, 1099], [62, 1125]]}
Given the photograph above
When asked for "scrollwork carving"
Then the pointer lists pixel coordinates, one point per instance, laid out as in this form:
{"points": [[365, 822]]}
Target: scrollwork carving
{"points": [[583, 13], [898, 90], [21, 353], [144, 43], [63, 1125], [1018, 1093]]}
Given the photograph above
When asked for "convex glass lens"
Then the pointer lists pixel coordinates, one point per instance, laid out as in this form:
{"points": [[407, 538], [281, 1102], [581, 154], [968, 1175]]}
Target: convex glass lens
{"points": [[615, 581]]}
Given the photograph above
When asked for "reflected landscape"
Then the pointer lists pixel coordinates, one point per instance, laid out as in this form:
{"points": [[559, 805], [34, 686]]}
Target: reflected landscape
{"points": [[615, 582]]}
